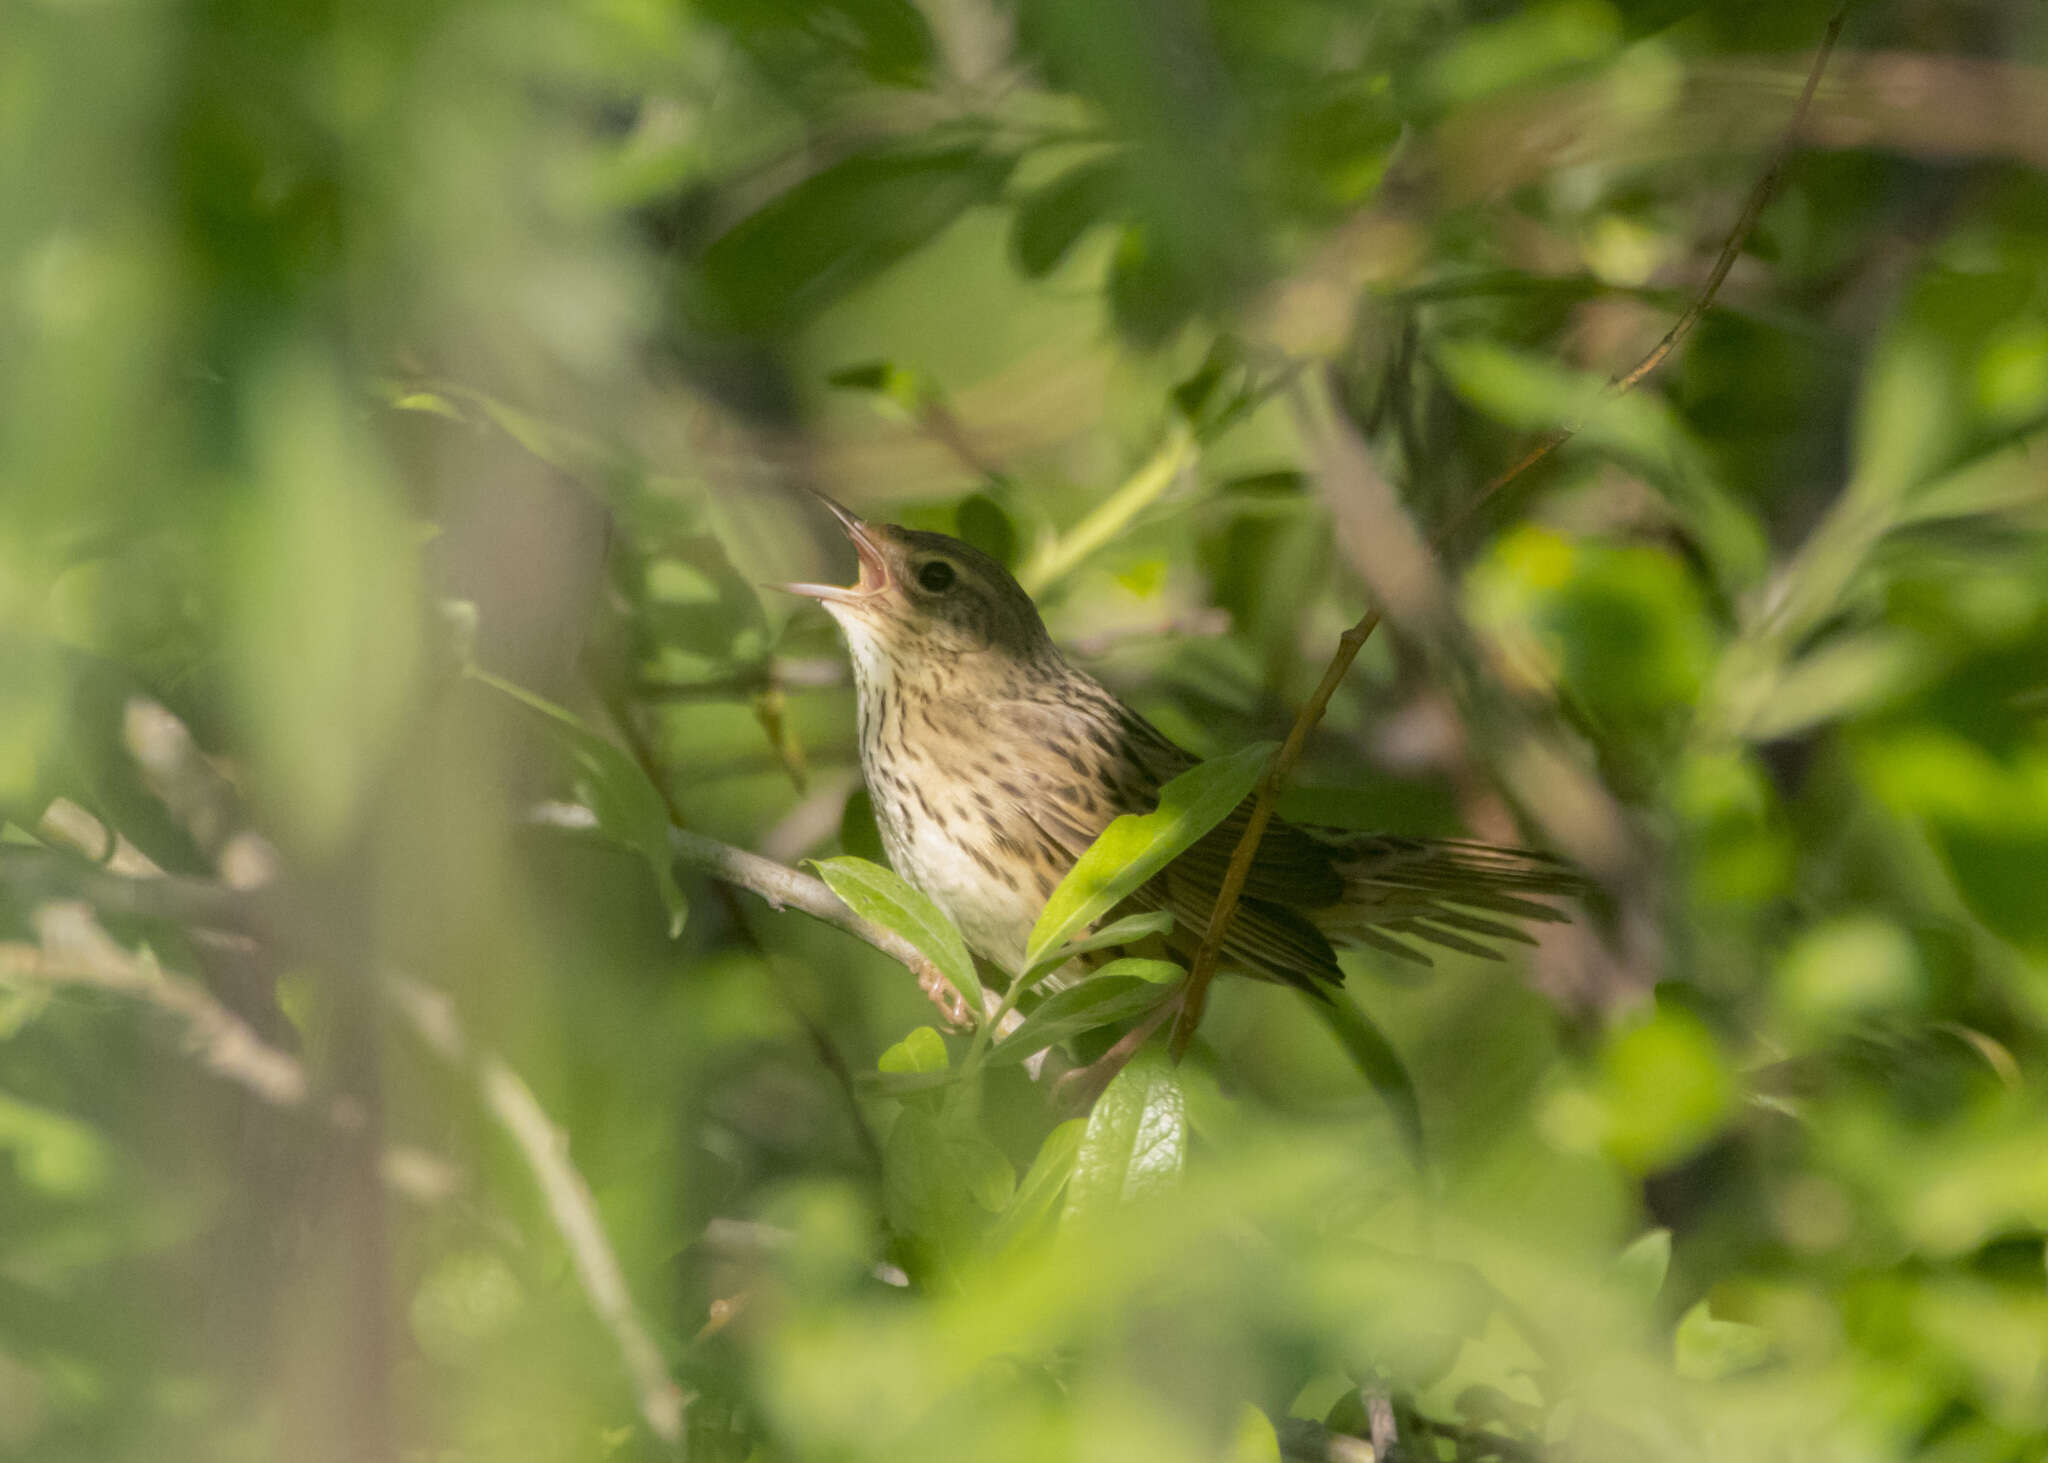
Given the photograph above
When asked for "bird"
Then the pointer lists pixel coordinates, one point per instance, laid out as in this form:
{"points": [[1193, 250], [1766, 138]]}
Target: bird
{"points": [[993, 763]]}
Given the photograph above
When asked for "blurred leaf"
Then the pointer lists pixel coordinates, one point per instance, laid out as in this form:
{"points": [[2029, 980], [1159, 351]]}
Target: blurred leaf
{"points": [[1194, 396], [924, 1050], [1052, 219], [328, 644], [790, 259], [1377, 1061], [1093, 1003], [1148, 297], [1529, 43], [1665, 1088], [1254, 1441], [904, 388], [1846, 969], [878, 894], [857, 832], [1706, 1349], [1643, 1264], [981, 521], [1925, 407], [1136, 846], [1846, 675], [771, 710], [935, 1179], [1135, 1143], [1038, 1193], [889, 39], [53, 1153], [628, 807]]}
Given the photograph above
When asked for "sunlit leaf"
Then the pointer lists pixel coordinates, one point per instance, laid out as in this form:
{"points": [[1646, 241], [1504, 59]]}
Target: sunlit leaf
{"points": [[1038, 1192], [1136, 1139], [1095, 1002], [1125, 931], [1706, 1348], [327, 643], [1136, 846], [1642, 1265], [881, 895], [924, 1050], [1254, 1441]]}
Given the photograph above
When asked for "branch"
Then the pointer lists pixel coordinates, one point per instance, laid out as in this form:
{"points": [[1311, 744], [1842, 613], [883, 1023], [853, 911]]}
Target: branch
{"points": [[1195, 993], [570, 1203], [74, 951], [36, 872]]}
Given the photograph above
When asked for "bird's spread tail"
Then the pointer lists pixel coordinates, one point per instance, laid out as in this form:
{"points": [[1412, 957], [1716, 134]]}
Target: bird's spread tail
{"points": [[1451, 893]]}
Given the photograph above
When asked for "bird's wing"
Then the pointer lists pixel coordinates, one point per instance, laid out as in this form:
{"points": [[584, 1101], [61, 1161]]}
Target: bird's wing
{"points": [[1269, 936]]}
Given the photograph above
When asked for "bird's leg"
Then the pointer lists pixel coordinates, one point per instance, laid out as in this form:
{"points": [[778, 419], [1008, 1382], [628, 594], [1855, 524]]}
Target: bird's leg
{"points": [[1077, 1090]]}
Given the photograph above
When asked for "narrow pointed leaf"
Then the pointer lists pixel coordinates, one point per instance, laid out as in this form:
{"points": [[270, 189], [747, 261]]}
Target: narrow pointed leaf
{"points": [[1136, 846], [1126, 931], [1379, 1063], [1038, 1192], [1068, 1013], [878, 894]]}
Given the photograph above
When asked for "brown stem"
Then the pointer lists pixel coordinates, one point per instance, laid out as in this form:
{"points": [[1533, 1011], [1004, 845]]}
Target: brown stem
{"points": [[1203, 970]]}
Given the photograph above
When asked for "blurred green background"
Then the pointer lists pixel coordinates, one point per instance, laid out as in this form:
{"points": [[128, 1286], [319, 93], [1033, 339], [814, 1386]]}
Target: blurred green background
{"points": [[364, 365]]}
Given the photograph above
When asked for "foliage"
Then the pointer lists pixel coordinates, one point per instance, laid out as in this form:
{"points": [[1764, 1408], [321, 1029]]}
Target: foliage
{"points": [[398, 408]]}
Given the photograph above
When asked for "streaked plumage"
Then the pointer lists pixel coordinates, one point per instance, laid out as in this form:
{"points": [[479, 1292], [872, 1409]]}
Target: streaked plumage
{"points": [[993, 764]]}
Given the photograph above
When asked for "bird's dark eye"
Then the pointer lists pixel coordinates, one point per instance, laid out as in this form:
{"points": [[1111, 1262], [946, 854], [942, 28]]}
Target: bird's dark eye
{"points": [[936, 576]]}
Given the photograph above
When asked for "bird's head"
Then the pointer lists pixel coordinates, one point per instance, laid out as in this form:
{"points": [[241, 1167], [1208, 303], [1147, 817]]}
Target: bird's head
{"points": [[929, 600]]}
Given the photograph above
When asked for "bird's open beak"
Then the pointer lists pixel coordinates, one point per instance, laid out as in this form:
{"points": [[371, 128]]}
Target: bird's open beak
{"points": [[874, 569]]}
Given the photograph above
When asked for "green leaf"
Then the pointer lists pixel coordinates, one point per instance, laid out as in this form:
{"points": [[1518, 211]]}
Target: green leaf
{"points": [[1379, 1063], [1149, 297], [1126, 931], [781, 265], [1067, 1013], [877, 894], [1706, 1349], [982, 521], [1643, 1264], [1154, 972], [1136, 1141], [1040, 1189], [1136, 846], [900, 1085], [934, 1178], [924, 1050], [1254, 1440], [901, 386], [1053, 219], [628, 807]]}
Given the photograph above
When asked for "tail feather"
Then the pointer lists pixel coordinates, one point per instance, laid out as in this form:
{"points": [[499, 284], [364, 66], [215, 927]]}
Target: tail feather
{"points": [[1424, 890]]}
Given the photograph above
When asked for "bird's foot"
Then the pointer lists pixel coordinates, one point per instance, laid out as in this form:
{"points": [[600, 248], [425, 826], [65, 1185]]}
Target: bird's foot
{"points": [[954, 1014]]}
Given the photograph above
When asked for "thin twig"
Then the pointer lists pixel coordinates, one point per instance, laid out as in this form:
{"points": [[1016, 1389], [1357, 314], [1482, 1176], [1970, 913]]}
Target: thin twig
{"points": [[74, 951], [1203, 970], [570, 1203]]}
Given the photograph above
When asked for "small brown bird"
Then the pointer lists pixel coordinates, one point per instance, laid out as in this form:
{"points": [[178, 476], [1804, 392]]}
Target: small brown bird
{"points": [[993, 764]]}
